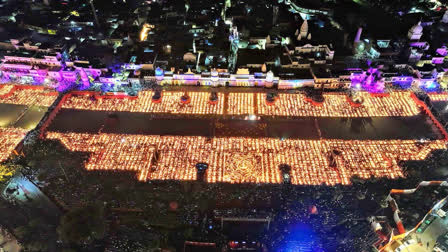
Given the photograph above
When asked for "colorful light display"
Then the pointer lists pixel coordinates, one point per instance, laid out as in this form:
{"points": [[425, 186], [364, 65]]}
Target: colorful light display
{"points": [[246, 160]]}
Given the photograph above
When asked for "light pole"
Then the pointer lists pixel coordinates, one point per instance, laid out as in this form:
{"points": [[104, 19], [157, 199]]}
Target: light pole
{"points": [[94, 13]]}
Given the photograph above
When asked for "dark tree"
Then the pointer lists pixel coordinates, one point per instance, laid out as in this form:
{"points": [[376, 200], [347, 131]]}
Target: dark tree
{"points": [[83, 225]]}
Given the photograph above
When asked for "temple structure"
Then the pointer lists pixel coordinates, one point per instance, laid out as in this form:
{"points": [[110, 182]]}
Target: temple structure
{"points": [[416, 32]]}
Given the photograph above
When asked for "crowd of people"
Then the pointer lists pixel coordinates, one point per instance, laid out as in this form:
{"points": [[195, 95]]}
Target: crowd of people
{"points": [[247, 160]]}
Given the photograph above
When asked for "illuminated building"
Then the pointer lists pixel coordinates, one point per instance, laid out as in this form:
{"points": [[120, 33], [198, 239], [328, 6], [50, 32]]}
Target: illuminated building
{"points": [[46, 69], [145, 31], [416, 32], [316, 55], [427, 77], [303, 30]]}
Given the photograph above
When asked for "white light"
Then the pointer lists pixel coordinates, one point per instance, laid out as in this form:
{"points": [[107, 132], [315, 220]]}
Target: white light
{"points": [[252, 117]]}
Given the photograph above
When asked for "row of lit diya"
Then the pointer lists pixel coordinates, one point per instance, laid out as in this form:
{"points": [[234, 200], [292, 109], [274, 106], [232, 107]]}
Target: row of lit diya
{"points": [[28, 97], [5, 89], [271, 98], [271, 104], [9, 139], [396, 104], [438, 96], [168, 102], [185, 98], [246, 160]]}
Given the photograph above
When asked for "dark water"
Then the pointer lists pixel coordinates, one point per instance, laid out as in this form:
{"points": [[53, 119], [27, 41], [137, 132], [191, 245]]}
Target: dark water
{"points": [[417, 127]]}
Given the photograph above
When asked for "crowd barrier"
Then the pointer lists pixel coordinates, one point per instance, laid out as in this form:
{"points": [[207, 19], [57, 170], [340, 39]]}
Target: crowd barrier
{"points": [[98, 96]]}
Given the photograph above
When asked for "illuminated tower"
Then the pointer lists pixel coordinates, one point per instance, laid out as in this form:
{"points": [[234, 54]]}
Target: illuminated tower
{"points": [[234, 39], [304, 29]]}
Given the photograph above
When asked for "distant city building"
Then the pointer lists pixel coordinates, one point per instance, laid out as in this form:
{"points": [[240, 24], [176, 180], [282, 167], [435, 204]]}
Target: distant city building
{"points": [[416, 32]]}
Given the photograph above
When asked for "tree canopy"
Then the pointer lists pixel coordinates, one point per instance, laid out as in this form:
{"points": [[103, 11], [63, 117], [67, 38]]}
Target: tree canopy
{"points": [[83, 225]]}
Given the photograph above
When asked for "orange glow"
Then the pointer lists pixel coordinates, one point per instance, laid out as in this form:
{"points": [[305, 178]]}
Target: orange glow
{"points": [[145, 31], [12, 94], [170, 103], [241, 104], [438, 96], [9, 139], [4, 89], [246, 160], [335, 105]]}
